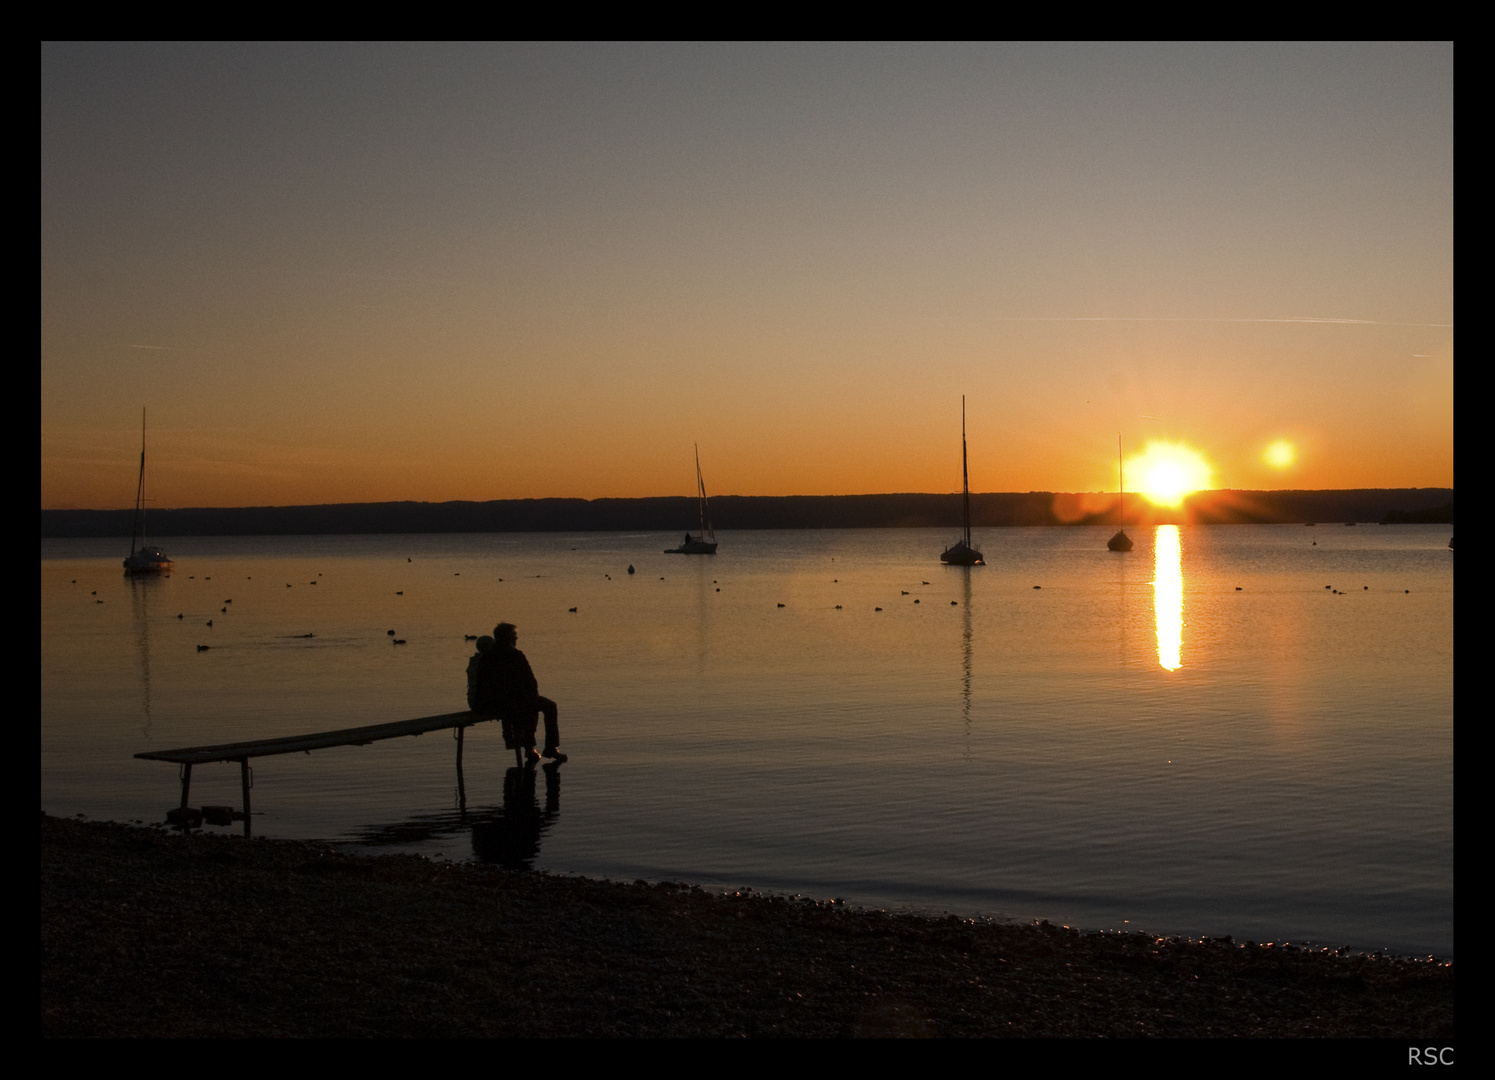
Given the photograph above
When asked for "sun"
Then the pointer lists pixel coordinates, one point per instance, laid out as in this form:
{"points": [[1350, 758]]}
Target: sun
{"points": [[1168, 472]]}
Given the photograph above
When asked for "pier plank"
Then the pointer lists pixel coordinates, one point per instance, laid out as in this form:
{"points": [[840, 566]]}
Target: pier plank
{"points": [[319, 740]]}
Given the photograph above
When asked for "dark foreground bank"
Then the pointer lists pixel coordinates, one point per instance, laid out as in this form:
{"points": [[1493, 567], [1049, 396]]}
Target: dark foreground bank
{"points": [[145, 933]]}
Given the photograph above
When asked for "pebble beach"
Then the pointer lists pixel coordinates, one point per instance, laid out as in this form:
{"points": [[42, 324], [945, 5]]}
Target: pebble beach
{"points": [[147, 933]]}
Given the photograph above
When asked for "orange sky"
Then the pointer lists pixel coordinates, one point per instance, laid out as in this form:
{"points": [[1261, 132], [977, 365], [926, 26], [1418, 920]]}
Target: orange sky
{"points": [[358, 273]]}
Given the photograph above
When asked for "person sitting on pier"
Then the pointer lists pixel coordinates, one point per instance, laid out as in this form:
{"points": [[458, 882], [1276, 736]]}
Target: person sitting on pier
{"points": [[474, 666], [475, 699], [507, 688]]}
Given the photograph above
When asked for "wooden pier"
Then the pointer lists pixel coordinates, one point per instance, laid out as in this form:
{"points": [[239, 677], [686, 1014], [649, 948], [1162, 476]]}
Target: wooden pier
{"points": [[241, 752]]}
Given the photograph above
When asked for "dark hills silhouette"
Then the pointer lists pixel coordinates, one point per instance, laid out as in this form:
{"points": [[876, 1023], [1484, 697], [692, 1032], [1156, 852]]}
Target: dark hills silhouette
{"points": [[671, 514]]}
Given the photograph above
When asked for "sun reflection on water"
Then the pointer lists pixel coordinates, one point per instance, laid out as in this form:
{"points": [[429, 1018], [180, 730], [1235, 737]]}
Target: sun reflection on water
{"points": [[1168, 596]]}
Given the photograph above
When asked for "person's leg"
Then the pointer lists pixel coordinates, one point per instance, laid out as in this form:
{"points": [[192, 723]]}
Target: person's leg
{"points": [[519, 736], [552, 729]]}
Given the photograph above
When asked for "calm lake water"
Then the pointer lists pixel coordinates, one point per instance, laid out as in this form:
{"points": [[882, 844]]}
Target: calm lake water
{"points": [[1241, 730]]}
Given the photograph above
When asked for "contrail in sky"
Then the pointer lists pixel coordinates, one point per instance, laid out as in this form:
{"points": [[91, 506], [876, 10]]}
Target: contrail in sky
{"points": [[1153, 318]]}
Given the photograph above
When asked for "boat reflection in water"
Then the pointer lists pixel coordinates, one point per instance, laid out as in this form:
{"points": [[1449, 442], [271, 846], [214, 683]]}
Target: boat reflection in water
{"points": [[1168, 596]]}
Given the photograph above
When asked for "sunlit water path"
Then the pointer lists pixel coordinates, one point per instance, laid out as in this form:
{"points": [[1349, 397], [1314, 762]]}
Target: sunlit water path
{"points": [[1237, 730]]}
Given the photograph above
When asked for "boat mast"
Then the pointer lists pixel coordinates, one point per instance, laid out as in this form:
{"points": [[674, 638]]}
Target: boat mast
{"points": [[706, 529], [1120, 486], [137, 539], [965, 478]]}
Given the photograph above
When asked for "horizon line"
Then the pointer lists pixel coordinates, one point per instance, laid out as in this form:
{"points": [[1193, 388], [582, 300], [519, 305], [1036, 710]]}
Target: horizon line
{"points": [[691, 498]]}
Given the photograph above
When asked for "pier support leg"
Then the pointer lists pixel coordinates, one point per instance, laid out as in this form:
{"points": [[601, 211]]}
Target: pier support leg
{"points": [[244, 779], [461, 787], [186, 774]]}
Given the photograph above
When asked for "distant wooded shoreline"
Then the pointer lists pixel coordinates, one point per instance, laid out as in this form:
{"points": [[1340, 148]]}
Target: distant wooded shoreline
{"points": [[667, 514]]}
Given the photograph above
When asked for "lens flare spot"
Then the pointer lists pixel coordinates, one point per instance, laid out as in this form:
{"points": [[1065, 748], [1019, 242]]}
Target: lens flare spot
{"points": [[1168, 472], [1280, 454]]}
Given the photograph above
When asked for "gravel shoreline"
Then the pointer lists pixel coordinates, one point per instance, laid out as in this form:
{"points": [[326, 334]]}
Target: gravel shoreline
{"points": [[148, 933]]}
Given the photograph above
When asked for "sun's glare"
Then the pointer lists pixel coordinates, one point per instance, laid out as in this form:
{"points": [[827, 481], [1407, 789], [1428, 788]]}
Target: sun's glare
{"points": [[1168, 472], [1280, 454]]}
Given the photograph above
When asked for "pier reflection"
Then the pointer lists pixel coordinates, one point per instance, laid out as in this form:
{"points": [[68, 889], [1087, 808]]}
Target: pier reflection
{"points": [[1168, 596]]}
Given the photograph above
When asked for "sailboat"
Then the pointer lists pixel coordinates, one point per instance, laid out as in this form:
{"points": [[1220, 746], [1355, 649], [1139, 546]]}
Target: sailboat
{"points": [[144, 558], [703, 542], [961, 553], [1121, 541]]}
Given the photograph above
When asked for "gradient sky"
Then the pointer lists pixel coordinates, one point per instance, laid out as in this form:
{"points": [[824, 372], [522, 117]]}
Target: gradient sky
{"points": [[337, 273]]}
